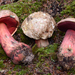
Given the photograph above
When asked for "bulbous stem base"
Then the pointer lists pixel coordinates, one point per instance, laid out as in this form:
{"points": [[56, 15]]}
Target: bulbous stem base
{"points": [[17, 51], [66, 55]]}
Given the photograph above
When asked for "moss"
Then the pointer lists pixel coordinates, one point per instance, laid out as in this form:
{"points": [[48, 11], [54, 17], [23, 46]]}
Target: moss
{"points": [[39, 64], [22, 8], [22, 69], [58, 67], [34, 49], [22, 72], [49, 74], [57, 19], [2, 64], [71, 72], [17, 67], [52, 48], [9, 72], [2, 54], [47, 64], [45, 52], [69, 9]]}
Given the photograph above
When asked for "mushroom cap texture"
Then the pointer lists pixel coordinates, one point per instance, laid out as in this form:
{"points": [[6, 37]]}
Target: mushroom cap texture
{"points": [[10, 19], [65, 24], [38, 25]]}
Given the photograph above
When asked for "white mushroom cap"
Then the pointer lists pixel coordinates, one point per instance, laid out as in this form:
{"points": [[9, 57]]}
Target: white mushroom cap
{"points": [[38, 25]]}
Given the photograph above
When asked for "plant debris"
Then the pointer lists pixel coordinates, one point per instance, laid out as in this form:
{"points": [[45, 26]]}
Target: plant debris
{"points": [[45, 61]]}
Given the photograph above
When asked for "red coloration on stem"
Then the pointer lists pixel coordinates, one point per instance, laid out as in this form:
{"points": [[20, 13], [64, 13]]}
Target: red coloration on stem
{"points": [[67, 47], [66, 55], [18, 52], [42, 42]]}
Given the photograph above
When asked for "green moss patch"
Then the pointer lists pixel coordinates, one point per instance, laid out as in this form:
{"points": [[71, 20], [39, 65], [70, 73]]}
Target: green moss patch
{"points": [[2, 54], [49, 51], [69, 9], [1, 64], [22, 8]]}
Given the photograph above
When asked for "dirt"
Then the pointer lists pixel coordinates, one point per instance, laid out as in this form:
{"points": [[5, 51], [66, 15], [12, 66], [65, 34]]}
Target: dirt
{"points": [[53, 7]]}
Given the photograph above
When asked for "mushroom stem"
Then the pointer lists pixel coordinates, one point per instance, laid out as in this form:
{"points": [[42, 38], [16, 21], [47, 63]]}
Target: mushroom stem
{"points": [[67, 49], [42, 42], [17, 51]]}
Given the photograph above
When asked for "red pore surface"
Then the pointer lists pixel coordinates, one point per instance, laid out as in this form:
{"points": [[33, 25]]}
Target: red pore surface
{"points": [[67, 50], [18, 52], [10, 22]]}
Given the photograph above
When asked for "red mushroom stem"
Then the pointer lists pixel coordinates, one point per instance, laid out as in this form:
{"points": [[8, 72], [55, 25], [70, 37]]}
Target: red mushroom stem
{"points": [[66, 55], [42, 42], [67, 47], [18, 52]]}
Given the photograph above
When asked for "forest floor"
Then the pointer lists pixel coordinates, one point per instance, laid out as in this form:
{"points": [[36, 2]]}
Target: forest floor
{"points": [[44, 63]]}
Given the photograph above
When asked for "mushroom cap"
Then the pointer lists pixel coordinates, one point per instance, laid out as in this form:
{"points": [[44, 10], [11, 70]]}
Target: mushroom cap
{"points": [[10, 19], [65, 24], [38, 25]]}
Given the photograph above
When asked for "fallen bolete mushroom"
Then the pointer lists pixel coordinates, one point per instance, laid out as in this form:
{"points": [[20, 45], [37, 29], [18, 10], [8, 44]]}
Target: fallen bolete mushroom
{"points": [[17, 51], [66, 55], [39, 26]]}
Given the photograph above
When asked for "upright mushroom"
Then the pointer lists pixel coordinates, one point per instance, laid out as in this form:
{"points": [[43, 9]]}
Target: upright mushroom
{"points": [[17, 51], [39, 26], [66, 54]]}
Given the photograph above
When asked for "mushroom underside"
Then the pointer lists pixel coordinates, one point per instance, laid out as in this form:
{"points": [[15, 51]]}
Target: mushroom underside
{"points": [[10, 22]]}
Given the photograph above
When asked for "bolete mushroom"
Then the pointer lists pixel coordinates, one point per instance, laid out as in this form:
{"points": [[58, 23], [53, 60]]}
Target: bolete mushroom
{"points": [[39, 26], [66, 55], [17, 51]]}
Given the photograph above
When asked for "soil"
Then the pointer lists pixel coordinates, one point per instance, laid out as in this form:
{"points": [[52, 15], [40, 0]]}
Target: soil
{"points": [[53, 7]]}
